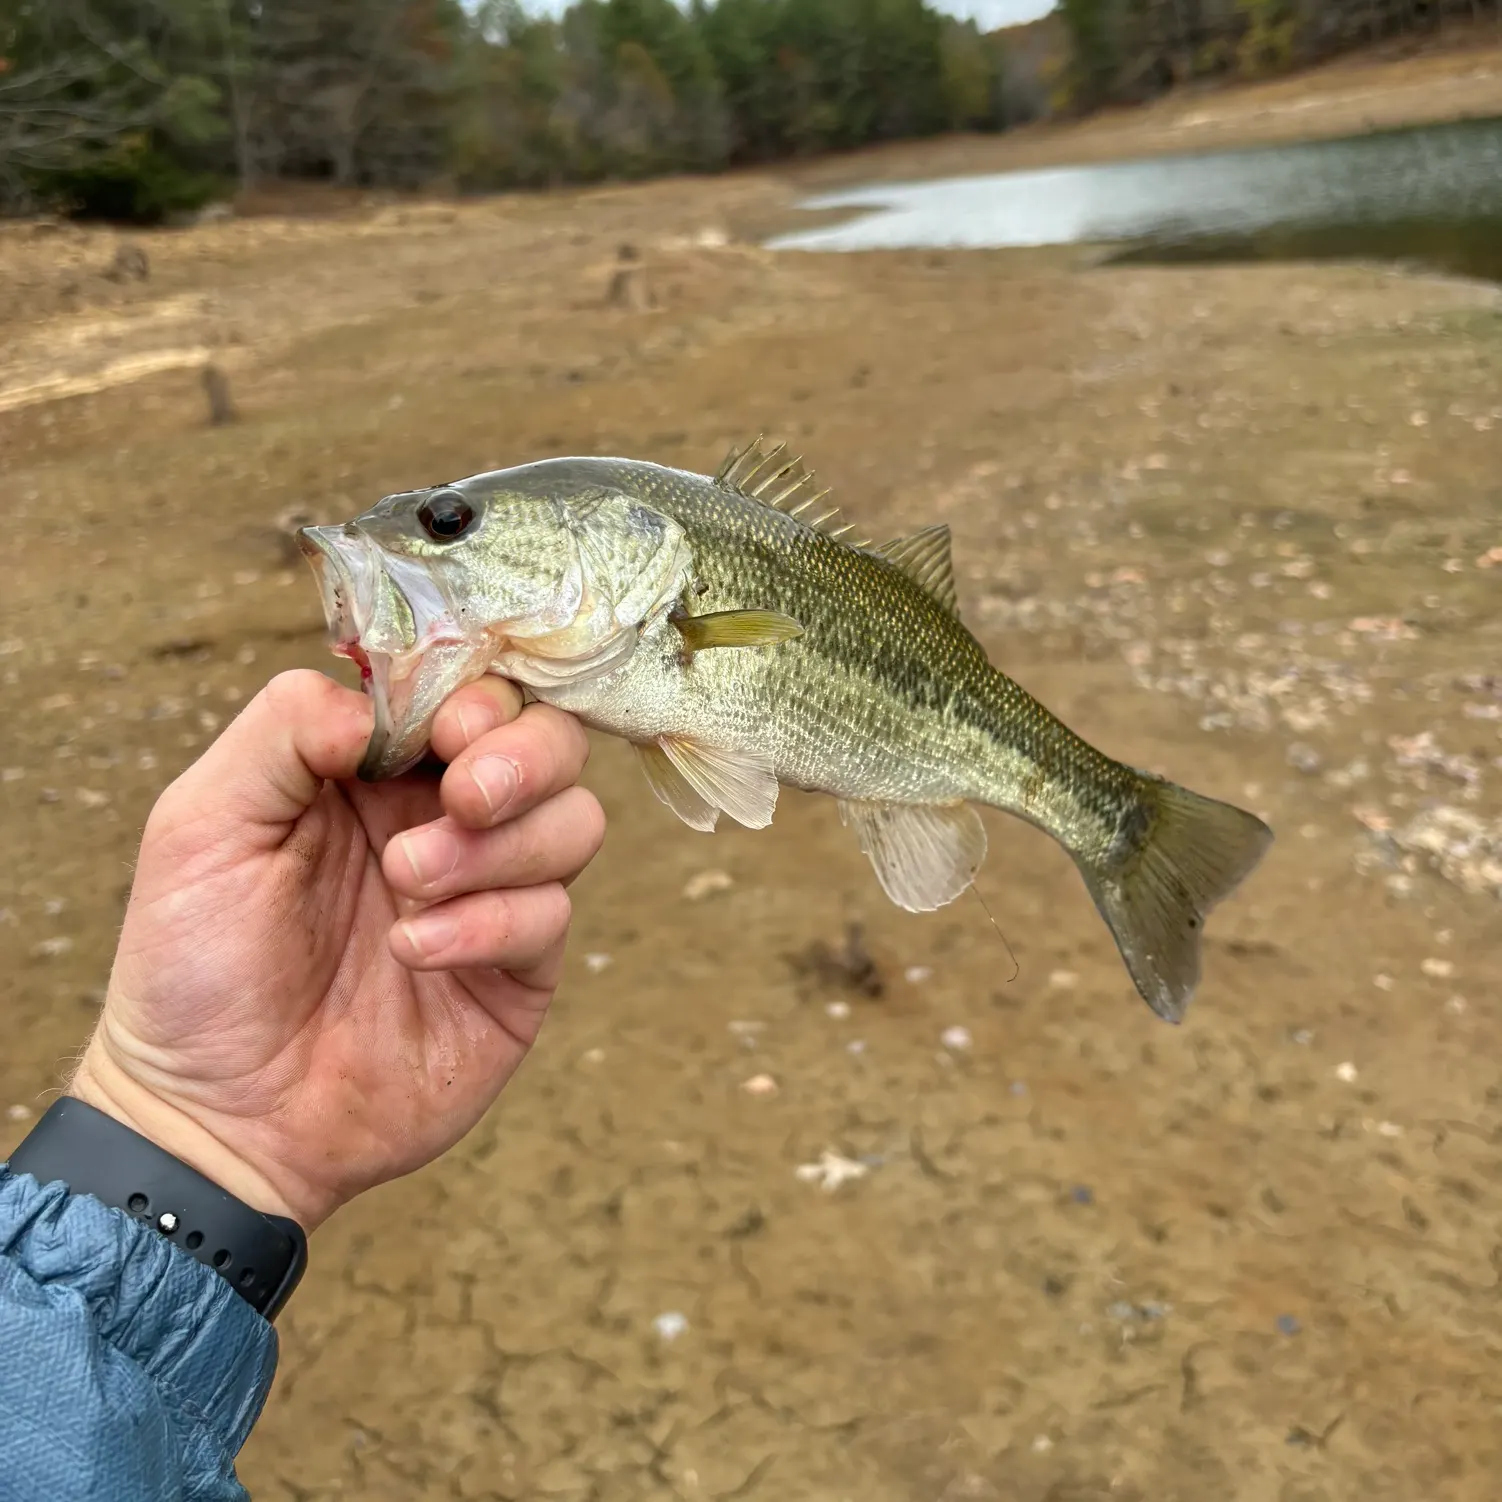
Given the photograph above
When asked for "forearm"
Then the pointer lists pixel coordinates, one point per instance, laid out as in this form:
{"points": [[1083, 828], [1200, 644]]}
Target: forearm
{"points": [[128, 1371]]}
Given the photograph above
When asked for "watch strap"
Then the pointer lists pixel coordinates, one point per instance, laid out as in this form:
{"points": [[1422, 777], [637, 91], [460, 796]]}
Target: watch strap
{"points": [[262, 1257]]}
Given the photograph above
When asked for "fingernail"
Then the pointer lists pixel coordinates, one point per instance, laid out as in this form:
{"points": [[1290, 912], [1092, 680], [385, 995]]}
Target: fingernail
{"points": [[476, 720], [432, 854], [496, 777], [430, 934]]}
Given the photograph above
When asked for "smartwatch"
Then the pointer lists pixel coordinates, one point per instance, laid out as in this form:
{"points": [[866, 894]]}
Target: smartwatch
{"points": [[262, 1257]]}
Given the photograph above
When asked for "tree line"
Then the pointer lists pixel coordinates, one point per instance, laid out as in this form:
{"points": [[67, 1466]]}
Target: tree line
{"points": [[139, 108], [136, 109], [1127, 51]]}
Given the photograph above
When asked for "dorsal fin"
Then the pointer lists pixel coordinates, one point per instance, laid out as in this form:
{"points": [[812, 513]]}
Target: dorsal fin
{"points": [[925, 558], [786, 484]]}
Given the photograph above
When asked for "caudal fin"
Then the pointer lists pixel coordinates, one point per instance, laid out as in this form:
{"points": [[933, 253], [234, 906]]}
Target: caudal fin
{"points": [[1192, 852]]}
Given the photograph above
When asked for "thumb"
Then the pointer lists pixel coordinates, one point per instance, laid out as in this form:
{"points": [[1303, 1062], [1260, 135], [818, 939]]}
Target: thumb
{"points": [[271, 762]]}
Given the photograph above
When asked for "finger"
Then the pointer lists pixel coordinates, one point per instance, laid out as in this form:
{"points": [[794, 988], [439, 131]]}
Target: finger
{"points": [[517, 1002], [473, 711], [270, 763], [553, 842], [507, 930], [515, 768]]}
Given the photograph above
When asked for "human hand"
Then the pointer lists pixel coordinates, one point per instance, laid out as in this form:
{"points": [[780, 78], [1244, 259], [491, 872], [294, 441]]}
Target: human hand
{"points": [[322, 984]]}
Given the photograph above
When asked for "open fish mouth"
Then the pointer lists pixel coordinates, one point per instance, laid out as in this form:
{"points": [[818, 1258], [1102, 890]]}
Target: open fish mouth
{"points": [[400, 633]]}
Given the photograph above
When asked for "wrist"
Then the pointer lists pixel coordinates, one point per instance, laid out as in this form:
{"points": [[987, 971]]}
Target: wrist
{"points": [[103, 1084]]}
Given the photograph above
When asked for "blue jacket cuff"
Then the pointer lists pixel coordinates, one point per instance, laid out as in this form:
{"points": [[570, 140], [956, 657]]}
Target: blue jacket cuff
{"points": [[208, 1353]]}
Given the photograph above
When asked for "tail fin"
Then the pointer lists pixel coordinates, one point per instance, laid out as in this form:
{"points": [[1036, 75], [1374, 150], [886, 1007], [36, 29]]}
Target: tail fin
{"points": [[1191, 853]]}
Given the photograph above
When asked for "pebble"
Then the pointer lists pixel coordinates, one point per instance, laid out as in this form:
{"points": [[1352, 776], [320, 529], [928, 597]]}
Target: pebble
{"points": [[1304, 758], [831, 1171], [1063, 980], [593, 1056], [1288, 1325], [52, 948], [956, 1038], [18, 1112], [760, 1084], [1438, 969], [1346, 1072], [705, 883], [915, 975], [839, 1010], [595, 963], [1383, 982], [12, 774], [1456, 1005], [1041, 1444], [856, 1046], [671, 1325]]}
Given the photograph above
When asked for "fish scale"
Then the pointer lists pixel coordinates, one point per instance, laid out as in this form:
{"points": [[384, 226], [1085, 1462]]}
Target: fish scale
{"points": [[741, 647]]}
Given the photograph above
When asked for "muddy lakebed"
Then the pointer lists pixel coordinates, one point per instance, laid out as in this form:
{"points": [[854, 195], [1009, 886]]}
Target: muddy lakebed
{"points": [[801, 1196]]}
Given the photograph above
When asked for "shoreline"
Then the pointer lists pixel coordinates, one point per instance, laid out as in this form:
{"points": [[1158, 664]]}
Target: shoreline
{"points": [[1357, 95]]}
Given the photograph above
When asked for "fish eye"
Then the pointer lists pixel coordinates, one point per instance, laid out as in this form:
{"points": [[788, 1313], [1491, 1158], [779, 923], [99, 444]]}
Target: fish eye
{"points": [[445, 515]]}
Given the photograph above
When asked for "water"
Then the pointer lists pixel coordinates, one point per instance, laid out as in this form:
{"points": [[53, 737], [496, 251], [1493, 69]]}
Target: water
{"points": [[1431, 195]]}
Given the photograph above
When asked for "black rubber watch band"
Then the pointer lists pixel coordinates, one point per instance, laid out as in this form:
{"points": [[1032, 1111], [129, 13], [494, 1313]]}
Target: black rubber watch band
{"points": [[262, 1257]]}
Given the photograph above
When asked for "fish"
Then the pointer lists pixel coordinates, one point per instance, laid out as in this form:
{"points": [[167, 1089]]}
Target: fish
{"points": [[735, 633]]}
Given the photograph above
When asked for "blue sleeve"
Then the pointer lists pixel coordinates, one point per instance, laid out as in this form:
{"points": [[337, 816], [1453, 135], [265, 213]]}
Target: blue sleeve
{"points": [[128, 1370]]}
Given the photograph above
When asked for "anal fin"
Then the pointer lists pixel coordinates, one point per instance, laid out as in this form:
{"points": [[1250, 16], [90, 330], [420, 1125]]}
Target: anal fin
{"points": [[674, 789], [924, 854], [742, 783]]}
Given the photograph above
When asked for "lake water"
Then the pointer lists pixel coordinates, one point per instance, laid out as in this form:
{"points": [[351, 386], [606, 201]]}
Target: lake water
{"points": [[1431, 195]]}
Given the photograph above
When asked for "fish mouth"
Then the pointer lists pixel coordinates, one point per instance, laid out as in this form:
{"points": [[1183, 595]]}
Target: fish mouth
{"points": [[398, 631]]}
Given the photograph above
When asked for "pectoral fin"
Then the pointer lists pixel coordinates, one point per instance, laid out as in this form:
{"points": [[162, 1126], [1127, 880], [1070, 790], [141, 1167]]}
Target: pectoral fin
{"points": [[674, 789], [925, 855], [735, 628], [742, 783]]}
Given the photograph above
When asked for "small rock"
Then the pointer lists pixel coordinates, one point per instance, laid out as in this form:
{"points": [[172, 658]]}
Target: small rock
{"points": [[671, 1325], [1383, 982], [705, 883], [831, 1171], [1288, 1325], [1304, 758], [856, 1046], [1346, 1072], [12, 774], [1041, 1444], [839, 1010], [956, 1038], [18, 1112], [51, 948], [1437, 969], [1456, 1005], [1063, 980], [760, 1084], [915, 975], [595, 963], [593, 1056], [1081, 1194]]}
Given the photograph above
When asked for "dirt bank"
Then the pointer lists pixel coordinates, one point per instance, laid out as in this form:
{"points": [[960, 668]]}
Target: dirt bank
{"points": [[1230, 523]]}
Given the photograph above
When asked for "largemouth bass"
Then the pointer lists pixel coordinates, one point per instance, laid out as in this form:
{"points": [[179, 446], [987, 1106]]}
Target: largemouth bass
{"points": [[741, 643]]}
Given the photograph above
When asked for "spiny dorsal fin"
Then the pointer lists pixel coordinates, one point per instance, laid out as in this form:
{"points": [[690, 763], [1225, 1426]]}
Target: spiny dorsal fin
{"points": [[925, 558], [786, 484]]}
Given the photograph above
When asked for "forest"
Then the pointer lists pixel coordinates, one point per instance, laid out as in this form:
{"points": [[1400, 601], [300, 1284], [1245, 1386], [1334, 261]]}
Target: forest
{"points": [[142, 109]]}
